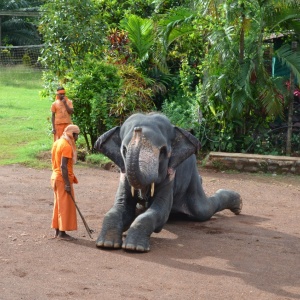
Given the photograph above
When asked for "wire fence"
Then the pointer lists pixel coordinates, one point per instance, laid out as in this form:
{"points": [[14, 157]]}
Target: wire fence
{"points": [[20, 66], [25, 56]]}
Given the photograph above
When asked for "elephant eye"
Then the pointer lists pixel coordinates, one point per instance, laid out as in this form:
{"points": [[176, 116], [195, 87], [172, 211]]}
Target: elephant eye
{"points": [[124, 151], [163, 152]]}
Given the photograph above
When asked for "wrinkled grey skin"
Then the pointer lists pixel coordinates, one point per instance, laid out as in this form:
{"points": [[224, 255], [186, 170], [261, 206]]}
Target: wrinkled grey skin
{"points": [[147, 149]]}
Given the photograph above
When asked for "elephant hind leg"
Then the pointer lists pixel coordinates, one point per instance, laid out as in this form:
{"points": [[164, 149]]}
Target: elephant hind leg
{"points": [[203, 208], [228, 199]]}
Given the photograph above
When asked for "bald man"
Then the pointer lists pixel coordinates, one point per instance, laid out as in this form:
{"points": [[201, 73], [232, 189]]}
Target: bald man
{"points": [[64, 156]]}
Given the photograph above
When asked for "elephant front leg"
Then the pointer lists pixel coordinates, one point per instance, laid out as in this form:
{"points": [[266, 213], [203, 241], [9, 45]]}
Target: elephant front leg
{"points": [[118, 218], [112, 229], [138, 235], [153, 220]]}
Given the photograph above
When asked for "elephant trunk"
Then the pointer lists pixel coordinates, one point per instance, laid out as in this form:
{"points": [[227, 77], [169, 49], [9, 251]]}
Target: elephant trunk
{"points": [[142, 161]]}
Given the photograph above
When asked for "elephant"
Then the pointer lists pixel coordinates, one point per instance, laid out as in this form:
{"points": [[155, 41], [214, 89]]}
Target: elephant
{"points": [[158, 177]]}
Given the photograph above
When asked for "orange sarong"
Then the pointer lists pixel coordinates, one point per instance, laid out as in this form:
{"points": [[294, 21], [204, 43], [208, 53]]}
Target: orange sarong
{"points": [[59, 129], [64, 210]]}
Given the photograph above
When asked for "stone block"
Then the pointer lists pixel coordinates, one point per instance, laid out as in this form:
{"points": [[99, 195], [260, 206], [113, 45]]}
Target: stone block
{"points": [[252, 169], [253, 163]]}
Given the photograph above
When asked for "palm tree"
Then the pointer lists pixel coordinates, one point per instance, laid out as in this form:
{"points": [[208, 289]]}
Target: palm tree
{"points": [[243, 45], [141, 36], [16, 30], [146, 55], [238, 81]]}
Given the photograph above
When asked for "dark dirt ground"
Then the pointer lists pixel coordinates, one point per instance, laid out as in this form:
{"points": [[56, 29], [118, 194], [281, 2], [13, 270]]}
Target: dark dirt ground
{"points": [[255, 255]]}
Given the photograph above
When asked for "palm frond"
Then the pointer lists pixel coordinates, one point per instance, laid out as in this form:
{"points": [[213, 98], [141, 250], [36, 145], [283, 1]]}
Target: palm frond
{"points": [[175, 25], [238, 102], [271, 101], [247, 70], [295, 26], [19, 32], [224, 48], [290, 58], [277, 13], [141, 34], [213, 88], [242, 87]]}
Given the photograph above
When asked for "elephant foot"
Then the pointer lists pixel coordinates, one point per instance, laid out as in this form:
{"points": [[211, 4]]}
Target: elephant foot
{"points": [[228, 199], [108, 244], [135, 248], [237, 210], [136, 243], [113, 241]]}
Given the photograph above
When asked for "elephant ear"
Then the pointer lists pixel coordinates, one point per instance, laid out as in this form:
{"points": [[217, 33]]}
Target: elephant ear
{"points": [[183, 146], [109, 144]]}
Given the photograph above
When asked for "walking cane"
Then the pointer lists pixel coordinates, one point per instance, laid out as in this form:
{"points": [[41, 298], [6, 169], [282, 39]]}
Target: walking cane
{"points": [[89, 231]]}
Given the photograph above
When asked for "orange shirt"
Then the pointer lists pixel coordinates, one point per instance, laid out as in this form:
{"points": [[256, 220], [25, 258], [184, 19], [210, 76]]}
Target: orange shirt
{"points": [[61, 114], [61, 148]]}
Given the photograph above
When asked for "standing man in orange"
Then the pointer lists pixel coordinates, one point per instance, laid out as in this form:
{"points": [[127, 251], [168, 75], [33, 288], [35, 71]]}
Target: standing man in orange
{"points": [[62, 109], [64, 156]]}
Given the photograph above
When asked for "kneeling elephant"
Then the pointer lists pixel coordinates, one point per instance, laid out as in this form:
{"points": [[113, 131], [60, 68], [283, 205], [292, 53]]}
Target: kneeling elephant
{"points": [[158, 172]]}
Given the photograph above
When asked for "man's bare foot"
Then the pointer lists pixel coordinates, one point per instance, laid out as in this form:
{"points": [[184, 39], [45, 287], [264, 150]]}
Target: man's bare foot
{"points": [[55, 235], [62, 235]]}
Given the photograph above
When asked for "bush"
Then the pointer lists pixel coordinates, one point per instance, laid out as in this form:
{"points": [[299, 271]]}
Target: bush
{"points": [[93, 88], [97, 159], [182, 112]]}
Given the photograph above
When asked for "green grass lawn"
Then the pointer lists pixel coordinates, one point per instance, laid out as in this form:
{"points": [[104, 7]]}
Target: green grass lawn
{"points": [[25, 120], [24, 117]]}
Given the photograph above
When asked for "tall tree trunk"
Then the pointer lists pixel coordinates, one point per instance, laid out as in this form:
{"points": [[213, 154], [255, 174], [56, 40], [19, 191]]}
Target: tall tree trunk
{"points": [[242, 41], [290, 119], [290, 110], [241, 130], [0, 30]]}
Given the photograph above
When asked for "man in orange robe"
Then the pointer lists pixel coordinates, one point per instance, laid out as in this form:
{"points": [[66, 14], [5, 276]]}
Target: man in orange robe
{"points": [[62, 109], [64, 156]]}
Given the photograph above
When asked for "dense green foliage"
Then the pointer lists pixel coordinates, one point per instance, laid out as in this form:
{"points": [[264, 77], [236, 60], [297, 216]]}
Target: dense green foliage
{"points": [[70, 29], [93, 88], [206, 64], [238, 94]]}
